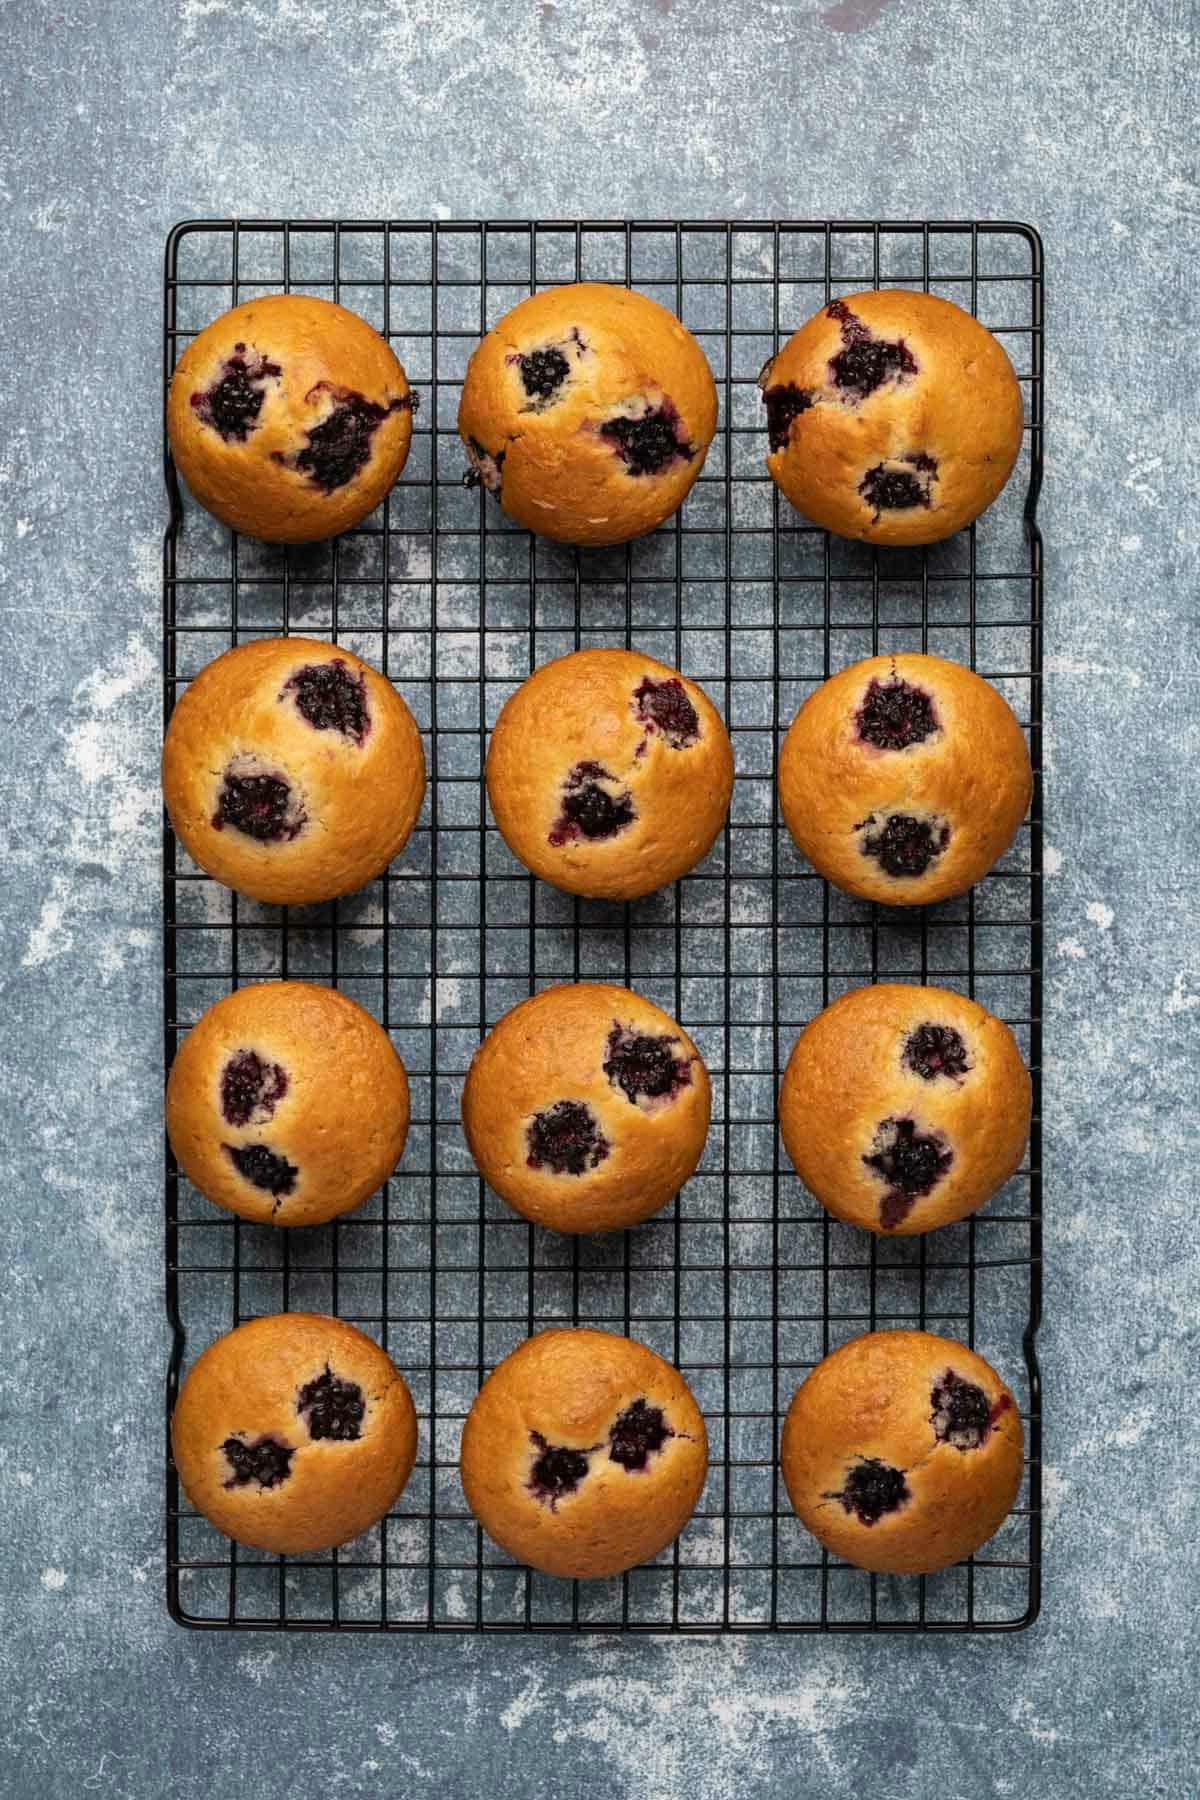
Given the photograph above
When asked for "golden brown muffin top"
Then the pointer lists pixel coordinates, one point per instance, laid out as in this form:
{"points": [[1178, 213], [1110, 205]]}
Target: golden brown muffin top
{"points": [[584, 1453], [289, 417], [904, 1108], [904, 778], [902, 1451], [609, 773]]}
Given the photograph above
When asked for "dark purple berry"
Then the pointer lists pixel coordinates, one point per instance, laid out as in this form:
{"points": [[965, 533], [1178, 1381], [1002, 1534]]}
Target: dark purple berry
{"points": [[250, 1088], [910, 1162], [894, 714], [332, 1408], [892, 490], [232, 405], [853, 329], [340, 445], [865, 362], [638, 1433], [664, 706], [962, 1413], [258, 805], [588, 810], [784, 403], [898, 490], [543, 372], [557, 1470], [485, 468], [331, 698], [648, 444], [871, 1489], [904, 847], [255, 1163], [933, 1050], [639, 1064], [266, 1461], [565, 1138]]}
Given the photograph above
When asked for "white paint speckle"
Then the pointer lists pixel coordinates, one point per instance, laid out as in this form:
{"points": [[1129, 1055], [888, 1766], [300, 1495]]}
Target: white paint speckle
{"points": [[147, 557], [54, 1580], [1055, 1488], [1070, 947], [1100, 914], [100, 691], [1131, 543], [1026, 1720], [256, 1664], [1136, 481], [1052, 861], [50, 937], [1080, 665], [24, 527], [526, 1702], [1179, 1001]]}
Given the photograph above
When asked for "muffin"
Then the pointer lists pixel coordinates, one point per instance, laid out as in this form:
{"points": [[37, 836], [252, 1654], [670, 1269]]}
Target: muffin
{"points": [[904, 779], [609, 774], [292, 770], [583, 1454], [902, 1452], [289, 418], [287, 1104], [294, 1433], [586, 1108], [588, 412], [892, 416], [905, 1108]]}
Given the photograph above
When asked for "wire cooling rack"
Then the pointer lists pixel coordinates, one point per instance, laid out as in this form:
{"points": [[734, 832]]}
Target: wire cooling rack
{"points": [[743, 1282]]}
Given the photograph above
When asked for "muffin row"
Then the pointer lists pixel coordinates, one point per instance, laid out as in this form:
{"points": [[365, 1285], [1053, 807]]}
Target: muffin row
{"points": [[293, 772], [585, 1453], [588, 412], [587, 1108]]}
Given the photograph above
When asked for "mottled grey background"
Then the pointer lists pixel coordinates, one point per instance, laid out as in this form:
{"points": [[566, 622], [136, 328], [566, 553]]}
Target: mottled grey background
{"points": [[122, 118]]}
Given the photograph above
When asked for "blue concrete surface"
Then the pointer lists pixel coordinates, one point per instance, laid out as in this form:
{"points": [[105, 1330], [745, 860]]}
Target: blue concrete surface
{"points": [[123, 118]]}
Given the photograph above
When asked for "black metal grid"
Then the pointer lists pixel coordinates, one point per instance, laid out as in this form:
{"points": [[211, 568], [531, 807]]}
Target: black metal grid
{"points": [[743, 1282]]}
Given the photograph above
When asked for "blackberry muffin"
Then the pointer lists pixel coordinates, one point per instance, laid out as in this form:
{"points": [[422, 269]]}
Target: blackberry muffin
{"points": [[905, 1108], [294, 1433], [902, 1452], [609, 774], [287, 1104], [289, 418], [893, 416], [292, 770], [583, 1454], [586, 1108], [588, 411], [904, 779]]}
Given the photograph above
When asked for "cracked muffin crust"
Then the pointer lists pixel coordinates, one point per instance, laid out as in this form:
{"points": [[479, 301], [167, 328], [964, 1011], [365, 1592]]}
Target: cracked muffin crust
{"points": [[289, 418], [583, 1454], [588, 411], [892, 416], [287, 1104], [609, 774], [295, 1432], [292, 770], [904, 1108], [586, 1108], [902, 1452], [904, 779]]}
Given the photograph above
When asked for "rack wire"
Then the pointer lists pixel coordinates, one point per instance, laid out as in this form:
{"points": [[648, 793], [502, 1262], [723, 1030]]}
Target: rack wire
{"points": [[743, 1282]]}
